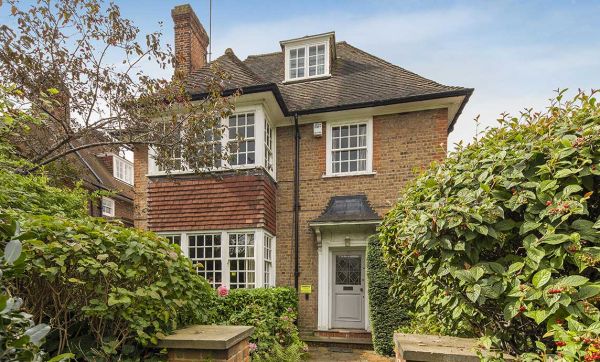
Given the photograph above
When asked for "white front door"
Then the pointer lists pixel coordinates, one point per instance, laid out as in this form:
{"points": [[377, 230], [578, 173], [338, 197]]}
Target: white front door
{"points": [[348, 280]]}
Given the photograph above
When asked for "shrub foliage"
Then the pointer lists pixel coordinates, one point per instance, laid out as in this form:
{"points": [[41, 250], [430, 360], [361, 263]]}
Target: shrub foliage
{"points": [[272, 311], [503, 239], [103, 289], [386, 312]]}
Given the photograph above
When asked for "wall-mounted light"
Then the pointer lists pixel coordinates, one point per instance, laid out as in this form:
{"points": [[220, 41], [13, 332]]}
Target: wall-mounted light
{"points": [[347, 241]]}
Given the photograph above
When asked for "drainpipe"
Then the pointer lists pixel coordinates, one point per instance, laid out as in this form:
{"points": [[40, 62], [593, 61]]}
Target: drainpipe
{"points": [[296, 201]]}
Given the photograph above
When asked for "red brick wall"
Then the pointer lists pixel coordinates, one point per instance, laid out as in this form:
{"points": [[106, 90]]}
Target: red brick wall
{"points": [[191, 39], [401, 144], [212, 202], [108, 162], [140, 188]]}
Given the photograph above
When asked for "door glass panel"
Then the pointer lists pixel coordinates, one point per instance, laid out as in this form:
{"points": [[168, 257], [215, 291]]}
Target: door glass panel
{"points": [[348, 269]]}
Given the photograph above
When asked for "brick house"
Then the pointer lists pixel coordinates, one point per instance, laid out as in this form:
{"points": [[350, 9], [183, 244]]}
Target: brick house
{"points": [[332, 133], [107, 171]]}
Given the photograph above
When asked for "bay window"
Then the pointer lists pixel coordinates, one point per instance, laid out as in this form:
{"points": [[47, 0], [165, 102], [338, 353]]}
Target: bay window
{"points": [[249, 139], [237, 259]]}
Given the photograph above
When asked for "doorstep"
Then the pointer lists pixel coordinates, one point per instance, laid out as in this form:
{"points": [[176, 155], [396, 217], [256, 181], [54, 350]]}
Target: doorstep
{"points": [[357, 339]]}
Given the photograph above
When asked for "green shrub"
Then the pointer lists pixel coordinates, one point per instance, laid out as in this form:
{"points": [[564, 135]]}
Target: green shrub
{"points": [[107, 287], [272, 311], [503, 238], [20, 337], [386, 312], [33, 195]]}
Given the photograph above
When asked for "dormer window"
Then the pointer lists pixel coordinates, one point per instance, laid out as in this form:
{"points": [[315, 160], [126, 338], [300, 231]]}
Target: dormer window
{"points": [[314, 62], [308, 57]]}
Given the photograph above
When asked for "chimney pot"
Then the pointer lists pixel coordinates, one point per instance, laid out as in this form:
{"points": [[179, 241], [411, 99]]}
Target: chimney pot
{"points": [[191, 40]]}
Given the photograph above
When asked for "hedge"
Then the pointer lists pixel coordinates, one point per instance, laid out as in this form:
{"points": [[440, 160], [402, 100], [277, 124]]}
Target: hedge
{"points": [[504, 236], [272, 311], [387, 313]]}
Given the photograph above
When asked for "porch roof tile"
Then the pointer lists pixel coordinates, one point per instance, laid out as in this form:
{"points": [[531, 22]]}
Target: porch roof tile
{"points": [[348, 208]]}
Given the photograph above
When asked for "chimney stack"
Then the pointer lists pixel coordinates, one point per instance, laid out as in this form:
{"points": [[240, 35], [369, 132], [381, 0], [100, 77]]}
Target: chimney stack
{"points": [[191, 40]]}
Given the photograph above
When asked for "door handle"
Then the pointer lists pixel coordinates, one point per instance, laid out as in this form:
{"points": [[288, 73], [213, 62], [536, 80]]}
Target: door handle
{"points": [[361, 289]]}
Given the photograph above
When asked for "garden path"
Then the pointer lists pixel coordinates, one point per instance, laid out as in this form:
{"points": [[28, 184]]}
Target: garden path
{"points": [[329, 354]]}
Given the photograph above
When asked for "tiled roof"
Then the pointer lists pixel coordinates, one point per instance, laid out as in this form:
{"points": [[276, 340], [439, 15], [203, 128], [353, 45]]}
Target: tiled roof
{"points": [[348, 208], [102, 177], [357, 79]]}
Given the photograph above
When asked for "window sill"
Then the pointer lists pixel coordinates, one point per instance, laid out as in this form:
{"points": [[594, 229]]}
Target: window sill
{"points": [[335, 175], [306, 79], [216, 170]]}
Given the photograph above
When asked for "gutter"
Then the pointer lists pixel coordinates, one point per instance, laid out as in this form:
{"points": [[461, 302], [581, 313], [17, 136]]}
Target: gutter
{"points": [[272, 87]]}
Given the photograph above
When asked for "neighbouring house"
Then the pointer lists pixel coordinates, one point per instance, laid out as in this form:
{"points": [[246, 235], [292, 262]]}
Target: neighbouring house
{"points": [[107, 171], [331, 134]]}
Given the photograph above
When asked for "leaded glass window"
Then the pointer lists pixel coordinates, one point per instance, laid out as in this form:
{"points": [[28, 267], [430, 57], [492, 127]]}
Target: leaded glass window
{"points": [[348, 270]]}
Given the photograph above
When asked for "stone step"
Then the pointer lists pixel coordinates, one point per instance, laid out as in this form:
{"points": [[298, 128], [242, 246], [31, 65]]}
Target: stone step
{"points": [[339, 341], [344, 333]]}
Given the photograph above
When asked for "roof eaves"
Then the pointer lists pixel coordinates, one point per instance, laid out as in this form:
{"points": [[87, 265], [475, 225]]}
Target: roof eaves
{"points": [[384, 102], [460, 109], [272, 87]]}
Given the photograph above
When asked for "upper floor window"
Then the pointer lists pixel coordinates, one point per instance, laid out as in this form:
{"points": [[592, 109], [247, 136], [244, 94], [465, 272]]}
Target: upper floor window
{"points": [[108, 207], [242, 143], [309, 56], [246, 137], [307, 61], [349, 148], [123, 170], [268, 147]]}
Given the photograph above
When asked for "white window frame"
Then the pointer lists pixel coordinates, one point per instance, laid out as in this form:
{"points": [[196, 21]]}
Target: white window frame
{"points": [[268, 270], [328, 157], [260, 118], [306, 47], [259, 237], [111, 202], [127, 165]]}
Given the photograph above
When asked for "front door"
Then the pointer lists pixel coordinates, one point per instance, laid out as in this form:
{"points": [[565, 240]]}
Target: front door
{"points": [[348, 290]]}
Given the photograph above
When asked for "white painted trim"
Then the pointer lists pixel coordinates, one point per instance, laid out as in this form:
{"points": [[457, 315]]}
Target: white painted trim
{"points": [[328, 161], [309, 38], [258, 251], [358, 241], [306, 43], [260, 117]]}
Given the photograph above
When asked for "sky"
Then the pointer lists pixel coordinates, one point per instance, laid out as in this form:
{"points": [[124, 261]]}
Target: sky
{"points": [[514, 53]]}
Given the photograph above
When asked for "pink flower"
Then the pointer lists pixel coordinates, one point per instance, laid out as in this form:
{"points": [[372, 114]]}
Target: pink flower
{"points": [[222, 291], [252, 346]]}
